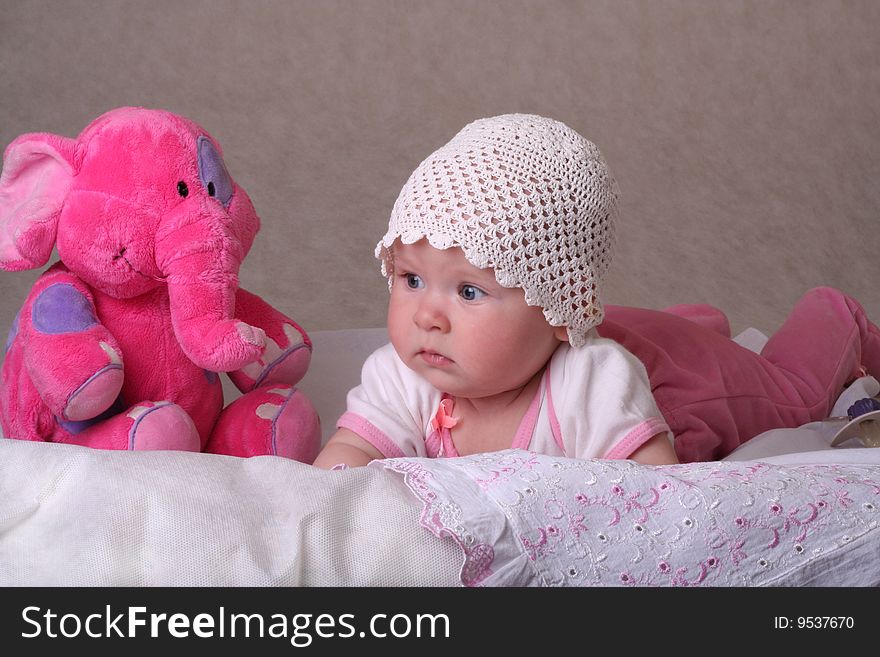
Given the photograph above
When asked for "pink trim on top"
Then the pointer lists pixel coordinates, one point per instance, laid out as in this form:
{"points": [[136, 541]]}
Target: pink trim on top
{"points": [[440, 445], [551, 412], [363, 428], [527, 426], [432, 444], [642, 433]]}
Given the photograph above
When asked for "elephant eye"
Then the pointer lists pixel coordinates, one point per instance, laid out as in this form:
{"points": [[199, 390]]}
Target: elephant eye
{"points": [[182, 189], [212, 172]]}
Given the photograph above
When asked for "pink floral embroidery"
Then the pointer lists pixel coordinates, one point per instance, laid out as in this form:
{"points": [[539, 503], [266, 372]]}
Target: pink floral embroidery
{"points": [[476, 564], [526, 519]]}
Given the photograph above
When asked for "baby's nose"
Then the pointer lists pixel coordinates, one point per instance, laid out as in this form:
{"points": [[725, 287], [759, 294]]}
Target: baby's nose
{"points": [[430, 315]]}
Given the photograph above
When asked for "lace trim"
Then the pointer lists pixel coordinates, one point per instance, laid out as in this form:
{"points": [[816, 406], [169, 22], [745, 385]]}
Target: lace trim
{"points": [[443, 518]]}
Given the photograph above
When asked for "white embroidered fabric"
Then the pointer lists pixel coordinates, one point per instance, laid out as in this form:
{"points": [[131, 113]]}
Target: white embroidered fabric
{"points": [[78, 517], [527, 196], [522, 519]]}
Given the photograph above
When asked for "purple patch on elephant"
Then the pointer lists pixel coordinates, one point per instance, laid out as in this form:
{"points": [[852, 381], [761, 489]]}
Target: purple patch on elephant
{"points": [[212, 377], [61, 308], [212, 172], [13, 331]]}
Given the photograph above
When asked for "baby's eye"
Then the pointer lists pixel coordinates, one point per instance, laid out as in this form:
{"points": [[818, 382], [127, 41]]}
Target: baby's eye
{"points": [[413, 281], [471, 293]]}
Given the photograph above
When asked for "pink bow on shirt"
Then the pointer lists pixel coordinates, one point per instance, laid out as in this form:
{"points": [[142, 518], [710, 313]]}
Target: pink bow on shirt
{"points": [[444, 418]]}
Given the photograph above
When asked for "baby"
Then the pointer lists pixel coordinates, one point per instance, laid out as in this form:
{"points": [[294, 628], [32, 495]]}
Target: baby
{"points": [[495, 254]]}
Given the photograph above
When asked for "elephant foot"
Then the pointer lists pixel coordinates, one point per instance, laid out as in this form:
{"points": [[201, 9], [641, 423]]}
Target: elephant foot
{"points": [[271, 420], [96, 395], [163, 426], [145, 426]]}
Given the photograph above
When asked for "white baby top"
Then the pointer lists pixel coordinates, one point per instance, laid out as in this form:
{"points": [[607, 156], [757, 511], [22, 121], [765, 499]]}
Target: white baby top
{"points": [[594, 401]]}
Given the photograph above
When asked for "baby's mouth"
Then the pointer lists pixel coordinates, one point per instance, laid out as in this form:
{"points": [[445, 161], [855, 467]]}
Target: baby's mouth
{"points": [[434, 358]]}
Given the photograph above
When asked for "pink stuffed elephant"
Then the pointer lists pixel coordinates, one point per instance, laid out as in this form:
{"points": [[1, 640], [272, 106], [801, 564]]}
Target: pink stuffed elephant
{"points": [[118, 345]]}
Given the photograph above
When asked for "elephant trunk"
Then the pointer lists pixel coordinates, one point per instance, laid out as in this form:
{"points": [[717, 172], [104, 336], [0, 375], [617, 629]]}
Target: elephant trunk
{"points": [[199, 254]]}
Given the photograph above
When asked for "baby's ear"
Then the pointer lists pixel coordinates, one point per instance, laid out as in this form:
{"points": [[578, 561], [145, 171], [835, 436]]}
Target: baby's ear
{"points": [[561, 333]]}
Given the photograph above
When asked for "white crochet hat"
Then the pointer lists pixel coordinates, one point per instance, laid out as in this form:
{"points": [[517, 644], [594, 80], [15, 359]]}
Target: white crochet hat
{"points": [[527, 196]]}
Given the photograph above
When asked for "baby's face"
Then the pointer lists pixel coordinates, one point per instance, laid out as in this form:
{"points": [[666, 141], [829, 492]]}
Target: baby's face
{"points": [[453, 324]]}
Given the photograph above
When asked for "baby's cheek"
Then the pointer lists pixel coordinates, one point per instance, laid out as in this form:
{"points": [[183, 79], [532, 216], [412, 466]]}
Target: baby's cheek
{"points": [[396, 336], [495, 350], [518, 350], [399, 320]]}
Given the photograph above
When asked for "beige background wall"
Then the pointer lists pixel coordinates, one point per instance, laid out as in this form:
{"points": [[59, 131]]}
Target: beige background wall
{"points": [[745, 135]]}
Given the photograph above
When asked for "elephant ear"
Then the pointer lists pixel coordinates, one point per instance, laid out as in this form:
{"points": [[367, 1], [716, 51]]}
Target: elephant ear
{"points": [[38, 171]]}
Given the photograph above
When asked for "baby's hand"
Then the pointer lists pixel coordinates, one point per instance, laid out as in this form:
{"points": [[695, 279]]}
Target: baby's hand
{"points": [[344, 450]]}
